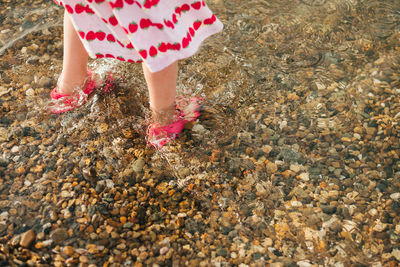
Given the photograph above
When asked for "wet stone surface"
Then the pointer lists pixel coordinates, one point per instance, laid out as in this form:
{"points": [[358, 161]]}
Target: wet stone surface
{"points": [[294, 160]]}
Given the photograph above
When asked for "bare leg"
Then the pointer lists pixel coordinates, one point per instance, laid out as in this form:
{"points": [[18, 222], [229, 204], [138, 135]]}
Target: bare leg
{"points": [[162, 92], [75, 59]]}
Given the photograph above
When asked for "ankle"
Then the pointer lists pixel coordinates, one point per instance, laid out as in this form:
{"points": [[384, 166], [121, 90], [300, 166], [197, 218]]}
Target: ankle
{"points": [[163, 116], [67, 84]]}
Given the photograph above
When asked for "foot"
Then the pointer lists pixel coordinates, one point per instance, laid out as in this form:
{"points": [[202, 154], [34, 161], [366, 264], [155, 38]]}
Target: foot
{"points": [[67, 87], [67, 83], [169, 125], [72, 96]]}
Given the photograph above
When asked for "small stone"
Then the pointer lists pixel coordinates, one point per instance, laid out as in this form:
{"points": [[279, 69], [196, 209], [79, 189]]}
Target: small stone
{"points": [[143, 255], [379, 226], [183, 172], [46, 226], [44, 82], [30, 92], [295, 168], [128, 225], [3, 227], [296, 204], [40, 235], [102, 128], [37, 169], [271, 167], [357, 136], [199, 129], [346, 139], [370, 130], [222, 252], [261, 190], [380, 61], [27, 238], [162, 187], [109, 183], [20, 170], [66, 213], [121, 246], [115, 235], [310, 234], [92, 248], [48, 242], [358, 130], [40, 245], [12, 211], [287, 174], [59, 235], [69, 250], [266, 149], [334, 194], [83, 259], [93, 236], [163, 250], [395, 196], [304, 176], [138, 165], [328, 209], [373, 212], [122, 219], [65, 194], [34, 47], [283, 124], [397, 229], [293, 96], [109, 229], [3, 90], [267, 242], [3, 137], [15, 240], [82, 220], [53, 216], [303, 264], [182, 215], [396, 253], [14, 149], [320, 86]]}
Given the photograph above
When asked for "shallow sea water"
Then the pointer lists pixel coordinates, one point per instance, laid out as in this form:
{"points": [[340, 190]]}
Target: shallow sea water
{"points": [[297, 142]]}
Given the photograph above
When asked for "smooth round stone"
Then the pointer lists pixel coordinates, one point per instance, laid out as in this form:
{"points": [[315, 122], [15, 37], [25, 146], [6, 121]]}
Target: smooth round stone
{"points": [[30, 92]]}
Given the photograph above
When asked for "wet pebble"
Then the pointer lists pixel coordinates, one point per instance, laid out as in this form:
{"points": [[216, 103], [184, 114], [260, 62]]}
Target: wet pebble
{"points": [[59, 235], [30, 92], [137, 165], [396, 254], [27, 238]]}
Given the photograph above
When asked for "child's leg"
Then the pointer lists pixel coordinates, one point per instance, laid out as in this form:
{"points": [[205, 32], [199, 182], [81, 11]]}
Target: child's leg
{"points": [[74, 61], [162, 91]]}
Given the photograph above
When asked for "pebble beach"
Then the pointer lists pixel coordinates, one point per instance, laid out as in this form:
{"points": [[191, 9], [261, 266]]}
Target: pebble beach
{"points": [[294, 160]]}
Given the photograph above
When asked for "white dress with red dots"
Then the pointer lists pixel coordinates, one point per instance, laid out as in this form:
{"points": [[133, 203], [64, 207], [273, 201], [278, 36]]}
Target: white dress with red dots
{"points": [[158, 32]]}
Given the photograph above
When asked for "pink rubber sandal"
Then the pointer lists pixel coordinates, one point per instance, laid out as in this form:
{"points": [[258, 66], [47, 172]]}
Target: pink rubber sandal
{"points": [[61, 103], [187, 110]]}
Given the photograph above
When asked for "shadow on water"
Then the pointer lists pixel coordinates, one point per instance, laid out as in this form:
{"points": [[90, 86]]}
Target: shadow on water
{"points": [[298, 137]]}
